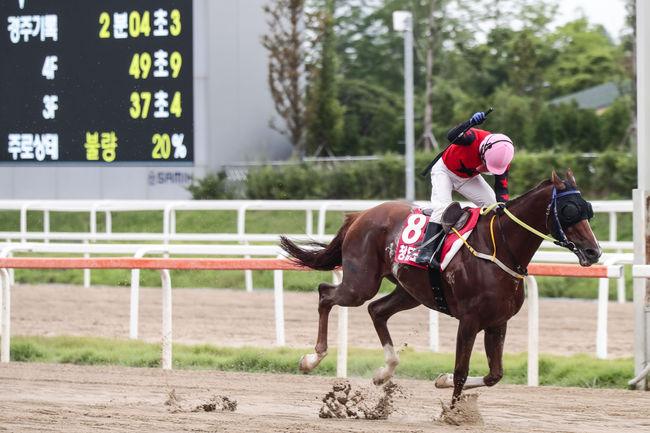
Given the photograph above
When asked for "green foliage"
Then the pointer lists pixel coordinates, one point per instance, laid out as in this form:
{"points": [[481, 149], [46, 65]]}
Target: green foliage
{"points": [[324, 113], [370, 118], [212, 186], [576, 371], [514, 70], [360, 180], [586, 57], [606, 174], [355, 79]]}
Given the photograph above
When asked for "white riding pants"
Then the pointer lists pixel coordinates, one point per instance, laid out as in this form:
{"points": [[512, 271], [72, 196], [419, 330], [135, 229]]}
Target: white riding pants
{"points": [[444, 181]]}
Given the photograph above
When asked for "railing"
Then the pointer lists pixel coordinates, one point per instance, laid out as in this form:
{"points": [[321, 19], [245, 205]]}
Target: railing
{"points": [[92, 239], [169, 210], [164, 264], [642, 315]]}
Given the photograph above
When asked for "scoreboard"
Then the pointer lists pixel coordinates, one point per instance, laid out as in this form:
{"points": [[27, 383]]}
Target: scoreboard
{"points": [[96, 82]]}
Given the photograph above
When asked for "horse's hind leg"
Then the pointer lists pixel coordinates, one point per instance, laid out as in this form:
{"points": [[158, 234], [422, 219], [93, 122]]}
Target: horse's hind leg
{"points": [[380, 311], [352, 292]]}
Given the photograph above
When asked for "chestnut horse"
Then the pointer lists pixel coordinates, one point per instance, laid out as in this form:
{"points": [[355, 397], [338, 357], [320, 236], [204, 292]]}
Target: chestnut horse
{"points": [[480, 294]]}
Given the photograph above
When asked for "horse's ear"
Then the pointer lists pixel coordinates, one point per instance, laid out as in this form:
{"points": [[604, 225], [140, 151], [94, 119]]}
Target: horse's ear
{"points": [[557, 182], [571, 178]]}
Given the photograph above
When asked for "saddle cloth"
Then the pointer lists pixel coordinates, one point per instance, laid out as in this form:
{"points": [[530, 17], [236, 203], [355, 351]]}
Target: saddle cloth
{"points": [[413, 233]]}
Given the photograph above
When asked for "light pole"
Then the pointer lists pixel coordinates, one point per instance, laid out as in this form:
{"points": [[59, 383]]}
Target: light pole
{"points": [[403, 23]]}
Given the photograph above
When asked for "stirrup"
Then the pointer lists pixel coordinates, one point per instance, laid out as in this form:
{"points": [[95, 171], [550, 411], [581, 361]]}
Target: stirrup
{"points": [[430, 243], [454, 217]]}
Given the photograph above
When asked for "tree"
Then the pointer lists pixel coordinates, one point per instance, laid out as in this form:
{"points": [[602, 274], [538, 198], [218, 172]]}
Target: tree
{"points": [[585, 57], [285, 43], [428, 139], [629, 68], [370, 124], [324, 113]]}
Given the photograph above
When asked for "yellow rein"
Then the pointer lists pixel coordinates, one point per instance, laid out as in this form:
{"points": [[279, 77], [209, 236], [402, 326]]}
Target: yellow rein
{"points": [[490, 208], [485, 211]]}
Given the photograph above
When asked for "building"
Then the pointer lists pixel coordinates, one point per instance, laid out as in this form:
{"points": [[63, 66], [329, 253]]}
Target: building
{"points": [[595, 98], [85, 96]]}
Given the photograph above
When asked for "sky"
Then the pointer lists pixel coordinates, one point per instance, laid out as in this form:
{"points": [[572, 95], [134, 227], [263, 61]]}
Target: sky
{"points": [[609, 13]]}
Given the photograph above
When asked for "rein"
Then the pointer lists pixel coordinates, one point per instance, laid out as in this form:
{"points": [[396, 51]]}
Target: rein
{"points": [[519, 271], [493, 257]]}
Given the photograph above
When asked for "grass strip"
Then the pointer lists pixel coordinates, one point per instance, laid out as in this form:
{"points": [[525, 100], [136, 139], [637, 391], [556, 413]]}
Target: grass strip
{"points": [[575, 371]]}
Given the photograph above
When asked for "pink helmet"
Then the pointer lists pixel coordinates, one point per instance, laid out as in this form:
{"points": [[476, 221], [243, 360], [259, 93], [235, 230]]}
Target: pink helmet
{"points": [[497, 152]]}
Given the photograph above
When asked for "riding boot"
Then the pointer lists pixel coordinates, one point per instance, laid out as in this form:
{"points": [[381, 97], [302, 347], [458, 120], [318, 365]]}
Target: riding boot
{"points": [[429, 250]]}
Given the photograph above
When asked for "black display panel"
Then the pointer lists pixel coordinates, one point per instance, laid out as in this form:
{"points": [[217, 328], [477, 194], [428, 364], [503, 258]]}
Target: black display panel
{"points": [[105, 82]]}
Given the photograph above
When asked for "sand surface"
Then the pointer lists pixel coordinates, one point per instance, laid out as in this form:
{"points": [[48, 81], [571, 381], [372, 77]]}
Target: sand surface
{"points": [[239, 318], [67, 398]]}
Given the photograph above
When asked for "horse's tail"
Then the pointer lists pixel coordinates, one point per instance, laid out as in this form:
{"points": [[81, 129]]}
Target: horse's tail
{"points": [[326, 257]]}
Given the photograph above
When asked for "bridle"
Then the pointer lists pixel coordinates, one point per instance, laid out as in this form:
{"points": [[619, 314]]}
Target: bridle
{"points": [[572, 209]]}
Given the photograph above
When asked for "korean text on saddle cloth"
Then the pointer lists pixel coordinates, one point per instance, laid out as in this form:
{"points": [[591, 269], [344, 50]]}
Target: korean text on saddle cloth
{"points": [[411, 238], [413, 234]]}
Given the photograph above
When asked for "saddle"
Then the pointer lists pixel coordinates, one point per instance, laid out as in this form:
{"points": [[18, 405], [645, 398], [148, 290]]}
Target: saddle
{"points": [[454, 217]]}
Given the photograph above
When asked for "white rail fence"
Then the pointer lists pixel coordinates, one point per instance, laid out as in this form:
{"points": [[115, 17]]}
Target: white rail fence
{"points": [[169, 211], [162, 265], [18, 242]]}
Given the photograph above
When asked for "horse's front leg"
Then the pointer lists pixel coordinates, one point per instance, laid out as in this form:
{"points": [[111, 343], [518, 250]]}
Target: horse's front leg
{"points": [[494, 341]]}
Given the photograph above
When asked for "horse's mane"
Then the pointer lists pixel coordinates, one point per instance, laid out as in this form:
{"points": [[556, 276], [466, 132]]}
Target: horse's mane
{"points": [[541, 185]]}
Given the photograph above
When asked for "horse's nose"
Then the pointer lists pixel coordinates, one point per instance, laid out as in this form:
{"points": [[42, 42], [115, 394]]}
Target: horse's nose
{"points": [[593, 254]]}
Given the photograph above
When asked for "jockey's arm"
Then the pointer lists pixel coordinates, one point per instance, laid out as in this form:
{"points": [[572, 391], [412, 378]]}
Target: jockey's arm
{"points": [[501, 187], [466, 139]]}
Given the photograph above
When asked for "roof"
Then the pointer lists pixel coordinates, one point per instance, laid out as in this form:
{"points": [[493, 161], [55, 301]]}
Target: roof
{"points": [[600, 96]]}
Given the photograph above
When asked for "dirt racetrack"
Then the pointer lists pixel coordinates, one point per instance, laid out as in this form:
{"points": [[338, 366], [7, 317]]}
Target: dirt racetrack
{"points": [[239, 318], [67, 398]]}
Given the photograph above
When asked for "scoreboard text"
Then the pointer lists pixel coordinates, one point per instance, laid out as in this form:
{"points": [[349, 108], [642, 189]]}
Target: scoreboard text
{"points": [[96, 82]]}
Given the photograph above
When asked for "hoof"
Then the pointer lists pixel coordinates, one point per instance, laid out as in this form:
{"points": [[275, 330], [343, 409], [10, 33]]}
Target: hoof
{"points": [[444, 380], [302, 364], [310, 361], [380, 377]]}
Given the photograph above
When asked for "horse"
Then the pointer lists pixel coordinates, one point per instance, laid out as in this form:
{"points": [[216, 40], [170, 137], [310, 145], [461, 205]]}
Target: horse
{"points": [[477, 292]]}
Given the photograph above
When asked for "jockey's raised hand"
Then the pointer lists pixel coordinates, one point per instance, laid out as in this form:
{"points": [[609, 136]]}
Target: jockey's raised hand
{"points": [[477, 118]]}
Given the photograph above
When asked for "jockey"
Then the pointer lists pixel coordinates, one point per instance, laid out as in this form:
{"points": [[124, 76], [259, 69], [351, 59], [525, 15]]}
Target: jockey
{"points": [[458, 167]]}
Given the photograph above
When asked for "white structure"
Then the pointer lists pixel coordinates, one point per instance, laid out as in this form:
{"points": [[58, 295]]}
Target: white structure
{"points": [[642, 195], [403, 23], [232, 110]]}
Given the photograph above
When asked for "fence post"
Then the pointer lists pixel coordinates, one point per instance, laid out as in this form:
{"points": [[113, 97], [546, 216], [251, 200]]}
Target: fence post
{"points": [[342, 340], [241, 230], [279, 306], [601, 326], [6, 315], [533, 331], [166, 319], [434, 334]]}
